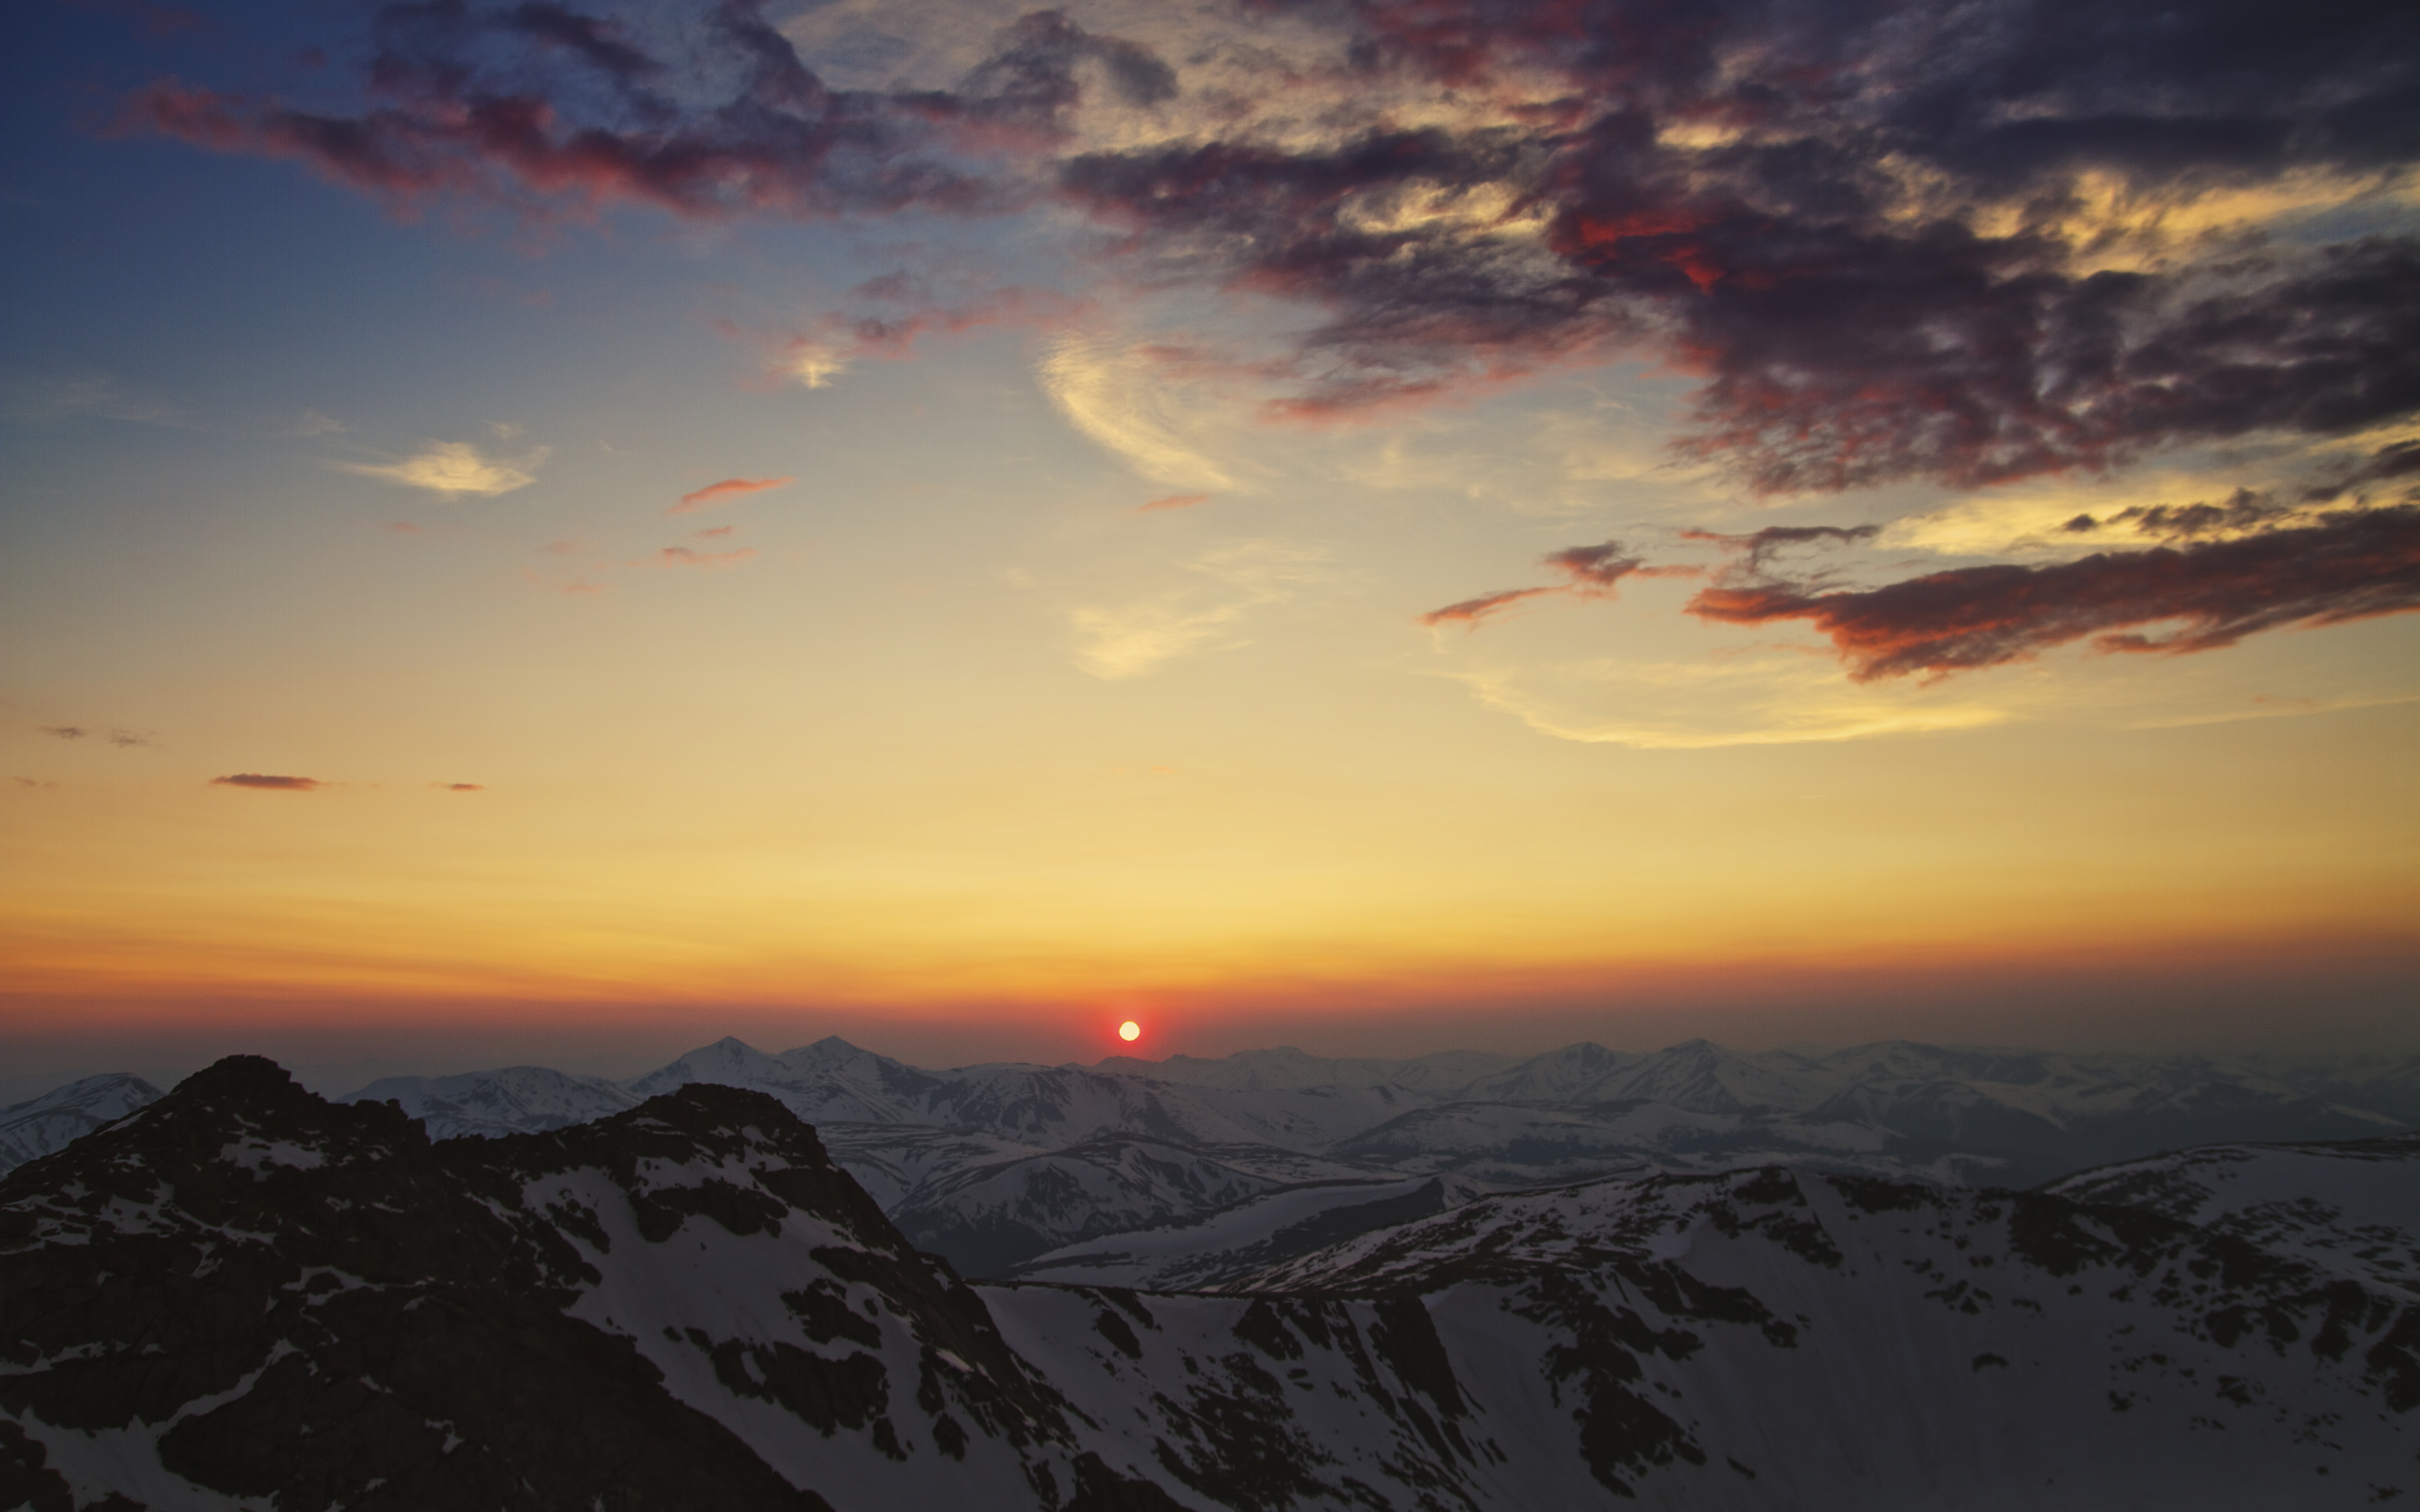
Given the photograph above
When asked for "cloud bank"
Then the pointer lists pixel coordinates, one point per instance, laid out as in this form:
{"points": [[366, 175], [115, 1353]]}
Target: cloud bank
{"points": [[1959, 242], [2352, 565]]}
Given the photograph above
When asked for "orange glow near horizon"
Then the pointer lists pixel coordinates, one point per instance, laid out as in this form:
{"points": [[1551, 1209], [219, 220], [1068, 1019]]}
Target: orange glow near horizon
{"points": [[1067, 649]]}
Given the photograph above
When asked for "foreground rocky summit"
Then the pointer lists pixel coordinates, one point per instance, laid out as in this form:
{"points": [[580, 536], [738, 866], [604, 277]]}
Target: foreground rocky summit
{"points": [[245, 1296], [245, 1290]]}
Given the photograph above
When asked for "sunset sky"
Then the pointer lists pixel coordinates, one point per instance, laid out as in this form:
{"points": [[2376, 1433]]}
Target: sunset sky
{"points": [[560, 532]]}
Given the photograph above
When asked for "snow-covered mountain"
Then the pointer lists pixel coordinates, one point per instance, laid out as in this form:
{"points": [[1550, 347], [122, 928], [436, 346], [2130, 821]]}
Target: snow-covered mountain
{"points": [[688, 1305], [51, 1121], [517, 1100], [996, 1165]]}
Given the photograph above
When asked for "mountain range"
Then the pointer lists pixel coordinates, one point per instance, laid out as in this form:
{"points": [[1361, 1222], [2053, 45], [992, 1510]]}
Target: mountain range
{"points": [[1015, 1169], [242, 1295]]}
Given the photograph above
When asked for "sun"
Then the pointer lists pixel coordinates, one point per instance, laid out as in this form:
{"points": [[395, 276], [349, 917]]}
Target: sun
{"points": [[1129, 1030]]}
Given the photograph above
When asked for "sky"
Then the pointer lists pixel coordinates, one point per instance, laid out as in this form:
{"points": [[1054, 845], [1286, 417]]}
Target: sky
{"points": [[559, 532]]}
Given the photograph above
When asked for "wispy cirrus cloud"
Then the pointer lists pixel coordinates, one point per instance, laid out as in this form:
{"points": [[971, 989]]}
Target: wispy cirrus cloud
{"points": [[1132, 638], [55, 401], [314, 423], [729, 488], [1142, 402], [453, 469]]}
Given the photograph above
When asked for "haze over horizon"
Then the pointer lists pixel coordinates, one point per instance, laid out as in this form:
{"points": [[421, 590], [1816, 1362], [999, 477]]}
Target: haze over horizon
{"points": [[556, 533]]}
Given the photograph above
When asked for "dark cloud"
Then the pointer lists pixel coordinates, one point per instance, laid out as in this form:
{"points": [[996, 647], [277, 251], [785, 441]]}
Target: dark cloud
{"points": [[554, 111], [2350, 566], [1878, 232], [124, 738], [2248, 509], [1819, 257], [1596, 566], [2386, 465], [1030, 83], [459, 787], [261, 779], [65, 732], [1893, 359]]}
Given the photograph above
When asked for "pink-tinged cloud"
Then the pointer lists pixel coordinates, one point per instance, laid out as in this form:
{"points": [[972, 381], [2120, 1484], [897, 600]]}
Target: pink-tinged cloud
{"points": [[681, 556], [1174, 501], [274, 784], [715, 493], [1473, 612], [1595, 568], [713, 532], [1592, 572], [459, 787], [2352, 566]]}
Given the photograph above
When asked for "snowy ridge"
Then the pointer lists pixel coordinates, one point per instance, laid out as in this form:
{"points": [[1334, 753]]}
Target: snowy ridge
{"points": [[1250, 1236], [33, 1129], [2351, 1209], [489, 1104]]}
